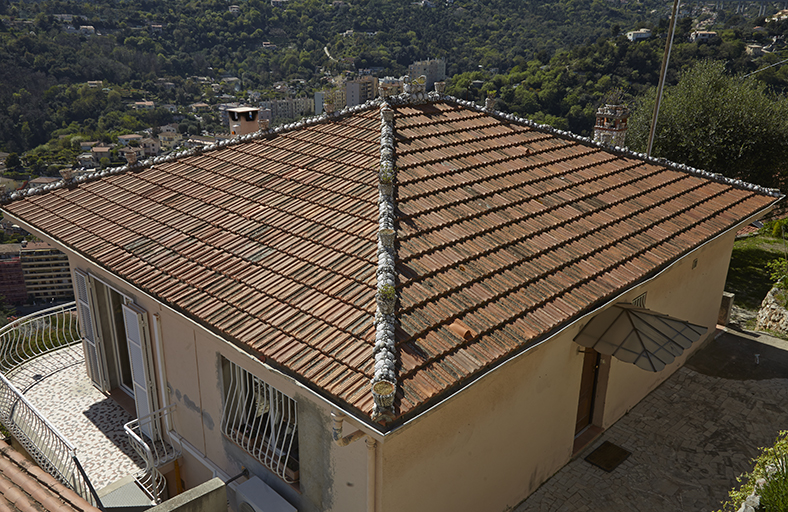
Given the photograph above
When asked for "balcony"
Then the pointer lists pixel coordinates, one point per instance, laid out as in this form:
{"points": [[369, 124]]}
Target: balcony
{"points": [[76, 433]]}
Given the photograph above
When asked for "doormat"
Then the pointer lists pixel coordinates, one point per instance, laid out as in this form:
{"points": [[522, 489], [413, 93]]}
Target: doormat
{"points": [[608, 456]]}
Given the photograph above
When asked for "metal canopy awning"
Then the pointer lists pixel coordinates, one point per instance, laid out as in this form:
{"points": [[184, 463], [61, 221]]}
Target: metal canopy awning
{"points": [[642, 337]]}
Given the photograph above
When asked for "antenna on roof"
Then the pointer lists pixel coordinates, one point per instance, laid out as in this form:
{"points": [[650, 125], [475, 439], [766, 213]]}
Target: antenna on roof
{"points": [[665, 59]]}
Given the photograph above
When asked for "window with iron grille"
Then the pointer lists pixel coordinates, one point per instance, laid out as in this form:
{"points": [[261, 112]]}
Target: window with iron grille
{"points": [[262, 420]]}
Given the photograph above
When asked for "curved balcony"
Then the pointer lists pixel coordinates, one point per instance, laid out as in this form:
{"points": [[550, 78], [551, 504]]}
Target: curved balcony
{"points": [[49, 405]]}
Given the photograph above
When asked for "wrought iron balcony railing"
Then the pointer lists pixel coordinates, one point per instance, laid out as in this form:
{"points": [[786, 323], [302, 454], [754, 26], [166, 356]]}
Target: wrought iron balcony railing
{"points": [[22, 342], [148, 439]]}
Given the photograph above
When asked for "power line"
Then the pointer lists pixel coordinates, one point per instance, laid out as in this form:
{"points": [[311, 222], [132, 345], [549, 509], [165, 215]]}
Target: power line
{"points": [[767, 67]]}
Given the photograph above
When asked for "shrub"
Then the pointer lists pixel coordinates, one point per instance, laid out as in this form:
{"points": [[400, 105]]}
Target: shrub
{"points": [[770, 475]]}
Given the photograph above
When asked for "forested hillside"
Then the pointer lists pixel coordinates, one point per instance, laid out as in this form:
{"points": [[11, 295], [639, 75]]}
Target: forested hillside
{"points": [[552, 60]]}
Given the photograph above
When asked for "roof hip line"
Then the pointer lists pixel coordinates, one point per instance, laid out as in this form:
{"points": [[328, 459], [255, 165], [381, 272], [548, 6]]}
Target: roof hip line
{"points": [[384, 381]]}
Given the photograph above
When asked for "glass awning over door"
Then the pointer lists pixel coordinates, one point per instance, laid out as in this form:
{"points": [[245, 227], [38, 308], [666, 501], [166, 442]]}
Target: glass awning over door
{"points": [[645, 338]]}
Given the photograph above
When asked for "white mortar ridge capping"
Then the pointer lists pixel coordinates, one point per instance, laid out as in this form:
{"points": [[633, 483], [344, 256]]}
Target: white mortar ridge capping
{"points": [[385, 319]]}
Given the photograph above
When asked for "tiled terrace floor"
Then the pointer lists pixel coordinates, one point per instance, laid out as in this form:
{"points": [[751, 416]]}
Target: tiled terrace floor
{"points": [[690, 438], [91, 421]]}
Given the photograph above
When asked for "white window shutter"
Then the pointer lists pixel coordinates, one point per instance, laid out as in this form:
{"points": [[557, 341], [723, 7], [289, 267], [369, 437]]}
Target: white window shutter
{"points": [[91, 342], [138, 339]]}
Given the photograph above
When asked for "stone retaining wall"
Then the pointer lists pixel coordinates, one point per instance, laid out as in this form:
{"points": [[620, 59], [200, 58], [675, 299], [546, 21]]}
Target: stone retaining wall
{"points": [[772, 316]]}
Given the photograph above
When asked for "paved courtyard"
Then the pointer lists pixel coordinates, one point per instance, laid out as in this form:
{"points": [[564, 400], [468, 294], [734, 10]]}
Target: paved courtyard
{"points": [[689, 438]]}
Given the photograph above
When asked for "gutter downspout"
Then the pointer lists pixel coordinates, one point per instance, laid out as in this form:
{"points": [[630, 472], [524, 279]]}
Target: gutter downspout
{"points": [[337, 419]]}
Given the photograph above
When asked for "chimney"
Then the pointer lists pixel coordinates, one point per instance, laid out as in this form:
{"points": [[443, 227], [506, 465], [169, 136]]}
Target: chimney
{"points": [[243, 120], [611, 125]]}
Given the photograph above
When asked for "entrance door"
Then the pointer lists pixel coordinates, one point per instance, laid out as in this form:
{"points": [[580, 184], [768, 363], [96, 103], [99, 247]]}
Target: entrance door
{"points": [[588, 385]]}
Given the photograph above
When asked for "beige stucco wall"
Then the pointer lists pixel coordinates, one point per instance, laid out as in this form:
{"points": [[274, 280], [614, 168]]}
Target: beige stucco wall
{"points": [[491, 445]]}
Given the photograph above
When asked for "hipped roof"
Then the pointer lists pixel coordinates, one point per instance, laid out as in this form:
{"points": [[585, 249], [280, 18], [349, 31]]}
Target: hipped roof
{"points": [[506, 231]]}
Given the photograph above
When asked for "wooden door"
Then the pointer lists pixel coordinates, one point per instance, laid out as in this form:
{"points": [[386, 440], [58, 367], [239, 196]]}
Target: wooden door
{"points": [[588, 381]]}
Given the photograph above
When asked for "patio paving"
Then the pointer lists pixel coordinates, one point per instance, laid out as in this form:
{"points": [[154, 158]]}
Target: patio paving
{"points": [[690, 438], [90, 420]]}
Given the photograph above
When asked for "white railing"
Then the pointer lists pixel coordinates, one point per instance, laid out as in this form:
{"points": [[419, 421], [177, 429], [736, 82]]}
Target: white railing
{"points": [[263, 421], [48, 447], [145, 436], [22, 341]]}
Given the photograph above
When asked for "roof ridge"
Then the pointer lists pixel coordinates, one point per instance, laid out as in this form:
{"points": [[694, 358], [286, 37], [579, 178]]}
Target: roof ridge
{"points": [[383, 383]]}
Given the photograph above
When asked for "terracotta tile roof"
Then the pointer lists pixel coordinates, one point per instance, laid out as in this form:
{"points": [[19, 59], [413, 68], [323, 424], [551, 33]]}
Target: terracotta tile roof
{"points": [[25, 487], [505, 232]]}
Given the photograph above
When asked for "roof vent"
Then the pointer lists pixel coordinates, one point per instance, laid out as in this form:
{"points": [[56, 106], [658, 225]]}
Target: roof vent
{"points": [[462, 330]]}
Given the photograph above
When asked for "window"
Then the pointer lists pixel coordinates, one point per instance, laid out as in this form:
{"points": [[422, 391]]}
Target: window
{"points": [[262, 420]]}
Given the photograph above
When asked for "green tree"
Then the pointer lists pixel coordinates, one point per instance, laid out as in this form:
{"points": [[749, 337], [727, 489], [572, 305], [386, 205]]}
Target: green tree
{"points": [[6, 310], [12, 161], [726, 124]]}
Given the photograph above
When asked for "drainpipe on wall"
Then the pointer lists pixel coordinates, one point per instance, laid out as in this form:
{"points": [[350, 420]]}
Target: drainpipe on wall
{"points": [[336, 433]]}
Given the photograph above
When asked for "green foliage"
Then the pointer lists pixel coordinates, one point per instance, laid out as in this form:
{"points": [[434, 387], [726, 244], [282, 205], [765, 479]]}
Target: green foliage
{"points": [[6, 310], [12, 161], [387, 292], [778, 271], [721, 123], [774, 493], [769, 478]]}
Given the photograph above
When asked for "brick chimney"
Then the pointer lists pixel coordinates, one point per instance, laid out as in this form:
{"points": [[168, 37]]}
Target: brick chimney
{"points": [[611, 125]]}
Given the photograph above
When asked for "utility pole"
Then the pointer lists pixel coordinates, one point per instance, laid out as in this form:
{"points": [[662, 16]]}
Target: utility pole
{"points": [[665, 59]]}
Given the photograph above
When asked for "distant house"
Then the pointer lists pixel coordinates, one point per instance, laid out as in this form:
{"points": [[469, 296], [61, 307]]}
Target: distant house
{"points": [[702, 35], [390, 86], [100, 152], [433, 69], [360, 90], [639, 35], [144, 105], [95, 84], [85, 145], [754, 50], [124, 140], [234, 9], [151, 147], [87, 30], [781, 15], [156, 28], [86, 160], [200, 107], [46, 271]]}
